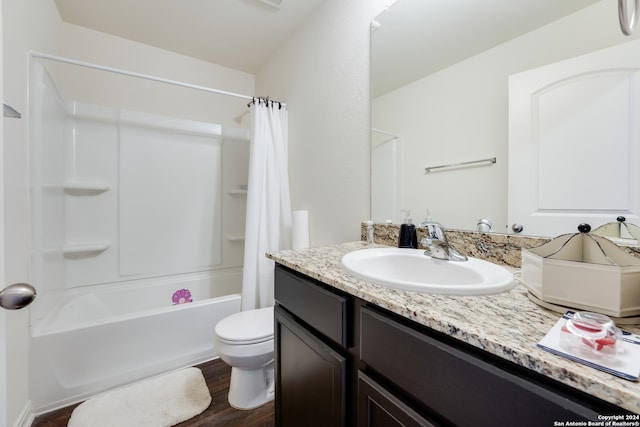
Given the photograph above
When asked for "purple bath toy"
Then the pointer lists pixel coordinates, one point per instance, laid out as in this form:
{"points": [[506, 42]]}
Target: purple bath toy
{"points": [[181, 296]]}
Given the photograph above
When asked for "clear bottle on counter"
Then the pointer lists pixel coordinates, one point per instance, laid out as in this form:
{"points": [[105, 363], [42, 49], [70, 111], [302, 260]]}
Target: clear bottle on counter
{"points": [[370, 233]]}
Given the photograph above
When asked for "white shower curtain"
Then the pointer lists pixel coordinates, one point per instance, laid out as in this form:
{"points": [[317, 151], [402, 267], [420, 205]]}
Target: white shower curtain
{"points": [[268, 222]]}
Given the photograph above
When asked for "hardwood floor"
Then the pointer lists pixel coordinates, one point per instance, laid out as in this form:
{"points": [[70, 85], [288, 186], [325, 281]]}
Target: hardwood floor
{"points": [[219, 413]]}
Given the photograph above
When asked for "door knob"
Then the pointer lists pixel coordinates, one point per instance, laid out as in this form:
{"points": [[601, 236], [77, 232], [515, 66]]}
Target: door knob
{"points": [[517, 228], [17, 296]]}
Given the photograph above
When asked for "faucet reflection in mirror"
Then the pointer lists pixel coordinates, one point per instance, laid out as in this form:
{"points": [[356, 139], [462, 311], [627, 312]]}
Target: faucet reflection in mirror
{"points": [[485, 225]]}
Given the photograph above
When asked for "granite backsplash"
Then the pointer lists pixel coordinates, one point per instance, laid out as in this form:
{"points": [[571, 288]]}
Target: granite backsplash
{"points": [[495, 247]]}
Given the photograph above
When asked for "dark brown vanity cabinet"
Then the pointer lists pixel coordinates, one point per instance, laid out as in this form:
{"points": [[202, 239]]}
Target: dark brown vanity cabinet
{"points": [[464, 386], [312, 363], [343, 362]]}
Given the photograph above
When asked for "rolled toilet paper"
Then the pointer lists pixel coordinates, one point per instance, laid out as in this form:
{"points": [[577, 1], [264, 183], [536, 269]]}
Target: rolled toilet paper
{"points": [[300, 229]]}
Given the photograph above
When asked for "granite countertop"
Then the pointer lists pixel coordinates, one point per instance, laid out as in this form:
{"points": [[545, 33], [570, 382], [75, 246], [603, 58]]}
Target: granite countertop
{"points": [[507, 325]]}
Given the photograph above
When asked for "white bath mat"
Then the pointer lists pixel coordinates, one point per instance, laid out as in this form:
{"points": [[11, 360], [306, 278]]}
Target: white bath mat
{"points": [[157, 402]]}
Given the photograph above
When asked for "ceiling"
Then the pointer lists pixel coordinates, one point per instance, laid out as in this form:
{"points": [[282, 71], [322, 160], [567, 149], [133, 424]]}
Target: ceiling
{"points": [[424, 36], [240, 34]]}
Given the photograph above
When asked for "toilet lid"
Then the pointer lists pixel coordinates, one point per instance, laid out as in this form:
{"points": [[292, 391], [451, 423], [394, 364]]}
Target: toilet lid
{"points": [[247, 327]]}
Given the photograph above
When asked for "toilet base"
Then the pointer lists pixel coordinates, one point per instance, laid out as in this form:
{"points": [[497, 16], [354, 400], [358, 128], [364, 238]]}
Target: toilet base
{"points": [[251, 388]]}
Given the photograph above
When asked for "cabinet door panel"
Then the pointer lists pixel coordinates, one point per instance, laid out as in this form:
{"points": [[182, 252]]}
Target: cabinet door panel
{"points": [[310, 377], [377, 407]]}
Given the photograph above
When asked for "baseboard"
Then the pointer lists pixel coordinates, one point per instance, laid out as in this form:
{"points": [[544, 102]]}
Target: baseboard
{"points": [[26, 417]]}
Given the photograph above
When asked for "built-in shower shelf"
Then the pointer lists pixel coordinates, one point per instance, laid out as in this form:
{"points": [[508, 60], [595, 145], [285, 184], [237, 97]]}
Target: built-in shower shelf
{"points": [[80, 188], [235, 192], [236, 238], [86, 248]]}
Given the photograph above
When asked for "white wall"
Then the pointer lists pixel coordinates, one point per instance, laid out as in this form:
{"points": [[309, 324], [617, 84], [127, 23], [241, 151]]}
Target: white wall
{"points": [[323, 75], [36, 25], [461, 114]]}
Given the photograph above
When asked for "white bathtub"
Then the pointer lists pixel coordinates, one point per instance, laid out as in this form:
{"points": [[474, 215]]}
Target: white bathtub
{"points": [[104, 336]]}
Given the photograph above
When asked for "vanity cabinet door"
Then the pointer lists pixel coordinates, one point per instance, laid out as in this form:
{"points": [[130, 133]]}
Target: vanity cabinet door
{"points": [[463, 387], [377, 407], [310, 377]]}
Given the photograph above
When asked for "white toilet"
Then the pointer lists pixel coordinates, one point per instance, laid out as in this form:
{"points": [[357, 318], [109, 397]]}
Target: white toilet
{"points": [[245, 342]]}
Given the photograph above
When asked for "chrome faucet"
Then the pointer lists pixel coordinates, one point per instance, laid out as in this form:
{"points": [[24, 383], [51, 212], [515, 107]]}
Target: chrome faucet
{"points": [[437, 244]]}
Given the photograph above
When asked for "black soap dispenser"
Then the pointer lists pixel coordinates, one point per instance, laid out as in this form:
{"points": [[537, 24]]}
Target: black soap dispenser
{"points": [[408, 237]]}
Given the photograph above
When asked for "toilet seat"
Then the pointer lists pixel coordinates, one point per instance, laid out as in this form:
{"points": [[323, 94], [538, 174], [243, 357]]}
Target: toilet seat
{"points": [[246, 327]]}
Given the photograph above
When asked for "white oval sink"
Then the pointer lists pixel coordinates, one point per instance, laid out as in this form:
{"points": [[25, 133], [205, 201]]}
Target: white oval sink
{"points": [[412, 270]]}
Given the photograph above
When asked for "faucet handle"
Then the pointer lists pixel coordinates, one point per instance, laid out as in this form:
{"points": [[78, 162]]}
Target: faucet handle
{"points": [[426, 241], [435, 230]]}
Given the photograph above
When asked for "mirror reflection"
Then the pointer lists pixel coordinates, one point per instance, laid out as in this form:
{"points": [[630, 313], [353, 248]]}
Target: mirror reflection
{"points": [[440, 90]]}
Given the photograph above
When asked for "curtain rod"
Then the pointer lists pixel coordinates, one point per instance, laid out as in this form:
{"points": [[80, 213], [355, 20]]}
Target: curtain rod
{"points": [[139, 75]]}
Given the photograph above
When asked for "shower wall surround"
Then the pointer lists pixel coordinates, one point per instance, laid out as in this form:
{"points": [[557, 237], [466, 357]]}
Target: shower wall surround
{"points": [[119, 195]]}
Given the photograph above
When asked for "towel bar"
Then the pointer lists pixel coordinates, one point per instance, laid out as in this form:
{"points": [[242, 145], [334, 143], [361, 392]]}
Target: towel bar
{"points": [[430, 168]]}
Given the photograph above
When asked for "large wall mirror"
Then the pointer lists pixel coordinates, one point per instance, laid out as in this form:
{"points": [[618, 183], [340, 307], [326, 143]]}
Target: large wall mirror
{"points": [[440, 96]]}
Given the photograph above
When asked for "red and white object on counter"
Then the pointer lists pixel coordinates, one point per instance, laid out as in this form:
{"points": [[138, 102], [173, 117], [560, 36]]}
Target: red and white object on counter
{"points": [[592, 339], [592, 332]]}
